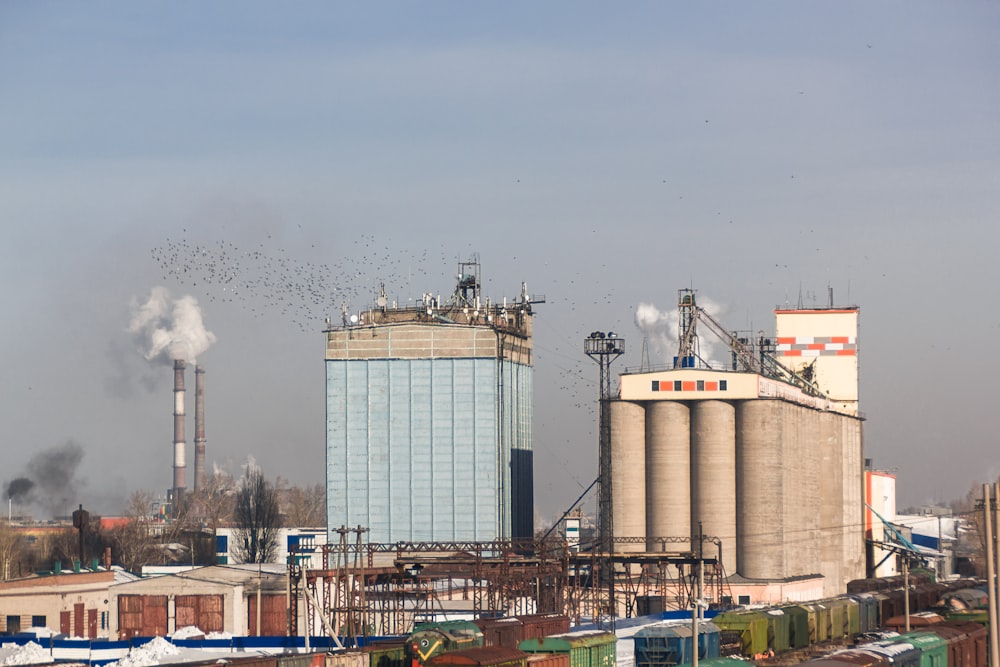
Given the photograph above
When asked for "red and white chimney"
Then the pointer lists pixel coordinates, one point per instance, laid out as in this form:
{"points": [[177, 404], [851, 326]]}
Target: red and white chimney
{"points": [[179, 438]]}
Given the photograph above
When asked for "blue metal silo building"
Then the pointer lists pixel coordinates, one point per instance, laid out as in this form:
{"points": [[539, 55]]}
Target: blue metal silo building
{"points": [[429, 413]]}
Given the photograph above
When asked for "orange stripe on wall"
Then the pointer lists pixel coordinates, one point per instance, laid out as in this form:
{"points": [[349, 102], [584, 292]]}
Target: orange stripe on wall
{"points": [[840, 339], [816, 346], [711, 386], [786, 341], [688, 385], [846, 353], [792, 353]]}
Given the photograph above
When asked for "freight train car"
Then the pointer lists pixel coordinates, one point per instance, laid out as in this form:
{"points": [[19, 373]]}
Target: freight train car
{"points": [[511, 631], [543, 625], [718, 662], [484, 656], [746, 627], [548, 660], [508, 631], [348, 658], [948, 645], [585, 649], [667, 644]]}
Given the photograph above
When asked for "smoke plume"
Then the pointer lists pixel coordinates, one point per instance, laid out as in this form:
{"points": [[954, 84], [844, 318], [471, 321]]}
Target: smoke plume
{"points": [[49, 480], [19, 489], [166, 329], [661, 329]]}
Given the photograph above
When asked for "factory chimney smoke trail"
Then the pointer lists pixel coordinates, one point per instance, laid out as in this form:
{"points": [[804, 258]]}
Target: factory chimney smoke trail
{"points": [[180, 439], [167, 329], [199, 427]]}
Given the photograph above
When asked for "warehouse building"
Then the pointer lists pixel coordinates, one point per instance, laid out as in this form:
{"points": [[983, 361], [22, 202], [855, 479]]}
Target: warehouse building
{"points": [[242, 600], [763, 454], [429, 413], [71, 602]]}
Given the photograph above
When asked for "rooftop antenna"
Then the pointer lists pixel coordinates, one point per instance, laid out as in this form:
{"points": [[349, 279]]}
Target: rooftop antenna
{"points": [[467, 288], [381, 300]]}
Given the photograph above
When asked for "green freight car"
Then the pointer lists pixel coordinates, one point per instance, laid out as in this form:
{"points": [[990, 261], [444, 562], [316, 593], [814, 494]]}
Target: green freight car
{"points": [[585, 649]]}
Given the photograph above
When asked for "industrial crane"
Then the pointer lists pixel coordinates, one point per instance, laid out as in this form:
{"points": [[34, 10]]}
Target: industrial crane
{"points": [[746, 357]]}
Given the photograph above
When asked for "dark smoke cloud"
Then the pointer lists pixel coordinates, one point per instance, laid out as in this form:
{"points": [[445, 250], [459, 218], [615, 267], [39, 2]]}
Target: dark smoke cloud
{"points": [[50, 479], [19, 489]]}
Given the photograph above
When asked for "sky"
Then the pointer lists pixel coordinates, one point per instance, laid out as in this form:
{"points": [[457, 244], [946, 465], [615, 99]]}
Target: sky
{"points": [[264, 165]]}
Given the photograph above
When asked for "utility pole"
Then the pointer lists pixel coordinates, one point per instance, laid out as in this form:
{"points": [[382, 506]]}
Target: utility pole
{"points": [[604, 348], [990, 573]]}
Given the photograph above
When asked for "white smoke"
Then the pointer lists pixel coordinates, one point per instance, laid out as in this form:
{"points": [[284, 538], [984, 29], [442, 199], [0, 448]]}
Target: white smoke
{"points": [[661, 330], [168, 329]]}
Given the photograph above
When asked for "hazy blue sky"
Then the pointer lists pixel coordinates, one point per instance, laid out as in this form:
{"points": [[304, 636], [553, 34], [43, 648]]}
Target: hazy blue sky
{"points": [[606, 154]]}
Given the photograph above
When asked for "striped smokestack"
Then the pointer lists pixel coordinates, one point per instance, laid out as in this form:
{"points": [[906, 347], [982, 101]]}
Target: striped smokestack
{"points": [[199, 427], [179, 437]]}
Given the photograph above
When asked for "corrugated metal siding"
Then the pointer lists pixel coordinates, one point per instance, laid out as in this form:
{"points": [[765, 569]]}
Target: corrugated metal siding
{"points": [[414, 449], [273, 617], [548, 660], [202, 611], [142, 616], [518, 401], [348, 659], [302, 660]]}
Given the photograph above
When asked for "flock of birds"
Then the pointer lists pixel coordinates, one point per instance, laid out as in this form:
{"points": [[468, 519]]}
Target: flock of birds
{"points": [[269, 282]]}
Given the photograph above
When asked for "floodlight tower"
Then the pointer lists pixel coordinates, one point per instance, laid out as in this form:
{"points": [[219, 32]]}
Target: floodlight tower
{"points": [[604, 348]]}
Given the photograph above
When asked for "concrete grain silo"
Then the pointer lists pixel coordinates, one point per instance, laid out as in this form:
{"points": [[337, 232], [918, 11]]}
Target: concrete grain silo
{"points": [[628, 472], [761, 487], [668, 474], [713, 474]]}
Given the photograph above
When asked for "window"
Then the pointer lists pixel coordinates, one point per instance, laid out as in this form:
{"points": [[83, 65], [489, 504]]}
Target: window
{"points": [[13, 625], [677, 385], [722, 384], [38, 622], [656, 385], [743, 599], [701, 385]]}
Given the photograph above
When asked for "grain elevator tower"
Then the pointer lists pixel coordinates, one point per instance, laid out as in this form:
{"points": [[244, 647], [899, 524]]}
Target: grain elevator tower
{"points": [[429, 411], [762, 450]]}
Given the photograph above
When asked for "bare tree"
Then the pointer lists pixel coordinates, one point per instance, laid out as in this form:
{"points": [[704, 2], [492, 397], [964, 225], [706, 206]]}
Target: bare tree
{"points": [[215, 500], [11, 551], [134, 543], [256, 517], [302, 506]]}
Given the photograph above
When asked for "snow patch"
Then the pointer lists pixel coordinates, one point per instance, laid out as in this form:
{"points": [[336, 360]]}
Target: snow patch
{"points": [[188, 632], [30, 653], [147, 654]]}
